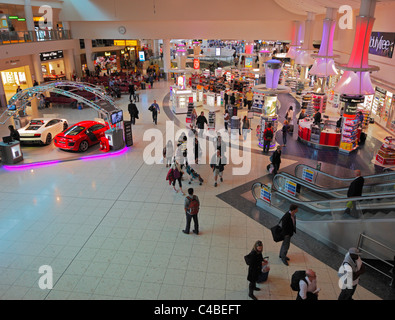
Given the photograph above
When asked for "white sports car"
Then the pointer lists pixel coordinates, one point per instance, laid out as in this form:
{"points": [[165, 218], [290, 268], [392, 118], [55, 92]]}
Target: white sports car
{"points": [[42, 130]]}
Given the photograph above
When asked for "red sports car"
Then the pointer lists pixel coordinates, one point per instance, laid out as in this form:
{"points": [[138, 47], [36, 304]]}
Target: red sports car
{"points": [[80, 136]]}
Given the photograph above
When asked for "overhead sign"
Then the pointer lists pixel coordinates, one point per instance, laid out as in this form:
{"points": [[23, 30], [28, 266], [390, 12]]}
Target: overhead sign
{"points": [[121, 43], [382, 44], [51, 55]]}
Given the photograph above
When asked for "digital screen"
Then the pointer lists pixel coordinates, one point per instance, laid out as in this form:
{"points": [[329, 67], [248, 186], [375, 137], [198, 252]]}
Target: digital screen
{"points": [[117, 117], [217, 51], [141, 56], [51, 55]]}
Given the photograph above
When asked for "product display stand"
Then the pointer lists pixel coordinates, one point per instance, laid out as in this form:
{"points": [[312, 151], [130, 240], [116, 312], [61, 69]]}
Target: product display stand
{"points": [[349, 140], [386, 154], [319, 102], [234, 127], [191, 106], [211, 120]]}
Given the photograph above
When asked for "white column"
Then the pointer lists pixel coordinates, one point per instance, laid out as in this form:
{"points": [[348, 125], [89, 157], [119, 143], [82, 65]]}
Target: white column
{"points": [[69, 63], [166, 56], [3, 99], [38, 74], [29, 16], [88, 53]]}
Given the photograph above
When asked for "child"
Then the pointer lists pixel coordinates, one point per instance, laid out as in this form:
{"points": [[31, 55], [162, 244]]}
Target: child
{"points": [[258, 131]]}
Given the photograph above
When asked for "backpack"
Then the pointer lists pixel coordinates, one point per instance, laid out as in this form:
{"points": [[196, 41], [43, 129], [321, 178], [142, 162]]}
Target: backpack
{"points": [[296, 277], [269, 135], [193, 205]]}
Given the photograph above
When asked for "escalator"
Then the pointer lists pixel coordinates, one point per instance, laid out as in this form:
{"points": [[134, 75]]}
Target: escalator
{"points": [[322, 210]]}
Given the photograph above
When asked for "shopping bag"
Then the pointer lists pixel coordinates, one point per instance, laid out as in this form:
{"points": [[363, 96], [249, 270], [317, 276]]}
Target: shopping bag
{"points": [[277, 233]]}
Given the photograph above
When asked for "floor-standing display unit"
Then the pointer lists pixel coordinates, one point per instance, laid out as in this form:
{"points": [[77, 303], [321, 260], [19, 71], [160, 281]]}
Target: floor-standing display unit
{"points": [[211, 120], [386, 154], [350, 131], [180, 99]]}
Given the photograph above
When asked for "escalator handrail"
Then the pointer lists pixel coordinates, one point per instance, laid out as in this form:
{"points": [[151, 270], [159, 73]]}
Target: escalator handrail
{"points": [[344, 179], [318, 188]]}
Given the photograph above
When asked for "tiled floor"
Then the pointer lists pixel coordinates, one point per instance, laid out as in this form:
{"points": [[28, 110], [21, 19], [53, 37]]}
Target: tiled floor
{"points": [[111, 229]]}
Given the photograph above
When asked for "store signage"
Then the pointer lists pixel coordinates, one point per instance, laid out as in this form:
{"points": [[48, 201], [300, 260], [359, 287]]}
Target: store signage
{"points": [[308, 175], [121, 43], [290, 187], [382, 44], [350, 103], [127, 125], [266, 195], [52, 55], [196, 64]]}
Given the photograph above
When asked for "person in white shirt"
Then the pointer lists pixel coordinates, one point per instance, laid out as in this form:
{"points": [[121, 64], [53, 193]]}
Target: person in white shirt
{"points": [[308, 287]]}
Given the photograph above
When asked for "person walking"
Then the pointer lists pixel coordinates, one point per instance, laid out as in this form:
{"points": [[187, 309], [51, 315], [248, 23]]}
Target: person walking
{"points": [[131, 91], [354, 190], [200, 121], [168, 153], [232, 99], [246, 127], [191, 207], [267, 138], [289, 115], [288, 224], [285, 130], [226, 119], [249, 96], [276, 159], [350, 271], [133, 111], [154, 108], [193, 119], [217, 163], [177, 175], [226, 99], [254, 260], [308, 286]]}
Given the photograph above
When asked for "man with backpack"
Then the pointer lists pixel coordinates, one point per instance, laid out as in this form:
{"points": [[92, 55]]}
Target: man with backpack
{"points": [[305, 283], [267, 138], [191, 206]]}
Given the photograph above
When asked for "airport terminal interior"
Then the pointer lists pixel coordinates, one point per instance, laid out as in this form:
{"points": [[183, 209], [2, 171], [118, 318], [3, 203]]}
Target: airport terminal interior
{"points": [[90, 206]]}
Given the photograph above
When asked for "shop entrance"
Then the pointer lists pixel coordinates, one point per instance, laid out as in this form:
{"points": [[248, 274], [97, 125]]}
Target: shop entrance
{"points": [[12, 78]]}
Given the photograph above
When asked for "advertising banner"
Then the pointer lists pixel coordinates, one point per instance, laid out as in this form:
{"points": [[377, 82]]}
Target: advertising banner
{"points": [[382, 44]]}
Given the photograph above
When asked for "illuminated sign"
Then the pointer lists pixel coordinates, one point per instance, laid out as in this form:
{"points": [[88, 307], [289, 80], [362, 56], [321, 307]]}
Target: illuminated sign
{"points": [[382, 44], [141, 56], [196, 64], [131, 43], [51, 55], [121, 43]]}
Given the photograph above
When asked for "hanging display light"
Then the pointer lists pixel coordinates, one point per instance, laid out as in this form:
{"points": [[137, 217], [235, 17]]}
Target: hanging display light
{"points": [[356, 77]]}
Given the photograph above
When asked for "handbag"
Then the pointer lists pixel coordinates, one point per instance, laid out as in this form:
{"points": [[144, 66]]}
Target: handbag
{"points": [[277, 232]]}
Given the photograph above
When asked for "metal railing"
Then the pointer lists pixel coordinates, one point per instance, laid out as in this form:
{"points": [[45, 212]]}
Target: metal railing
{"points": [[13, 37], [360, 240]]}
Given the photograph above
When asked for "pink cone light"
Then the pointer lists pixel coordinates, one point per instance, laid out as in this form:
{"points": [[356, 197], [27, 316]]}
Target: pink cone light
{"points": [[356, 78], [295, 42], [324, 65]]}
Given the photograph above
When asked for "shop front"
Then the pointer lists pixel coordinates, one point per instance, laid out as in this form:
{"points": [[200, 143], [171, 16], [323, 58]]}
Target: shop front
{"points": [[16, 72], [52, 65], [382, 107]]}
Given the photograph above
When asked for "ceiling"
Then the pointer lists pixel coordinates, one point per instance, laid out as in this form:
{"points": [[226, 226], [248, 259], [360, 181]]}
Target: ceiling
{"points": [[319, 6]]}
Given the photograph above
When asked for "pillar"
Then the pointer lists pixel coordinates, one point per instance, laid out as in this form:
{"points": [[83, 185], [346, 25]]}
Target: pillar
{"points": [[29, 18], [88, 54], [3, 99], [38, 74], [69, 63], [166, 57]]}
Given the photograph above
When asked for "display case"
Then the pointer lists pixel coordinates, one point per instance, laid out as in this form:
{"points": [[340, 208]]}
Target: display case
{"points": [[319, 102], [386, 154], [211, 120], [258, 103], [180, 100], [349, 138]]}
